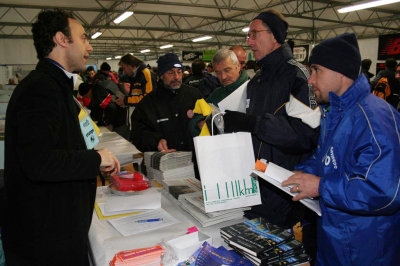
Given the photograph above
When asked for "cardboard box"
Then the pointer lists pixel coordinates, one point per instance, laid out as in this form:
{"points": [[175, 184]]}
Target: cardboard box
{"points": [[186, 245]]}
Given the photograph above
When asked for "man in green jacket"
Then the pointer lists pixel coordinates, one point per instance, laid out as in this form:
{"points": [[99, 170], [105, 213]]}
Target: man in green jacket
{"points": [[227, 68]]}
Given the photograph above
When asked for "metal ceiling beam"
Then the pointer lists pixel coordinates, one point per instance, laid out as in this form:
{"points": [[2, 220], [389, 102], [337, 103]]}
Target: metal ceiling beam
{"points": [[163, 29]]}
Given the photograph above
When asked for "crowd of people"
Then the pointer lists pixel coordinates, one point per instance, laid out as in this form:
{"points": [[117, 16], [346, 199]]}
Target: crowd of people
{"points": [[322, 121]]}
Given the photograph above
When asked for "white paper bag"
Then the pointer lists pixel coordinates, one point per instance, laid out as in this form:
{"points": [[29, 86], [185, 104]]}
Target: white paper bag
{"points": [[225, 164]]}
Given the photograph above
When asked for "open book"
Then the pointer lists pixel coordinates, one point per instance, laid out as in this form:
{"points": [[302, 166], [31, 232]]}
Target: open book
{"points": [[276, 175]]}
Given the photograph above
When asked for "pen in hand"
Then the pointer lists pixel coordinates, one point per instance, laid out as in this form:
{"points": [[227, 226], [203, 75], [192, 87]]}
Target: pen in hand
{"points": [[149, 220]]}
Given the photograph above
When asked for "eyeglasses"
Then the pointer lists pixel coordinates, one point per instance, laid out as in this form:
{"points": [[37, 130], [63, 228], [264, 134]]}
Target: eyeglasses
{"points": [[253, 34]]}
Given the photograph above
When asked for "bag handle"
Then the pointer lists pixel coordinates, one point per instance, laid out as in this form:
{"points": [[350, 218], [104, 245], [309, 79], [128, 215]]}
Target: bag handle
{"points": [[212, 122]]}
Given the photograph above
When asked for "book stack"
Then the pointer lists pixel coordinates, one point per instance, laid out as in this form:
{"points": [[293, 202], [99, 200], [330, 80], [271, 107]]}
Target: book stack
{"points": [[140, 256], [193, 203], [161, 165], [178, 186], [208, 255], [264, 243]]}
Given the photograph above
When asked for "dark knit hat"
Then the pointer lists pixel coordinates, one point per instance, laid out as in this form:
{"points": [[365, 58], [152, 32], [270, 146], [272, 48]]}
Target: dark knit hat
{"points": [[168, 61], [277, 26], [84, 88], [340, 54], [105, 67]]}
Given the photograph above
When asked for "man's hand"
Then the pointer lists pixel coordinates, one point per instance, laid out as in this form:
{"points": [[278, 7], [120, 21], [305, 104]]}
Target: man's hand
{"points": [[109, 163], [238, 122], [163, 147], [200, 124], [120, 101], [304, 184]]}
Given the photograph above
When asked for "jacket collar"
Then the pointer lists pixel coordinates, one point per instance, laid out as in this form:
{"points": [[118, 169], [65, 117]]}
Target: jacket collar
{"points": [[283, 53], [57, 72], [359, 89]]}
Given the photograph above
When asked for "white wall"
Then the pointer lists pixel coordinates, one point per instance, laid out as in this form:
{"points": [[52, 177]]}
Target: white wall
{"points": [[14, 51], [369, 50]]}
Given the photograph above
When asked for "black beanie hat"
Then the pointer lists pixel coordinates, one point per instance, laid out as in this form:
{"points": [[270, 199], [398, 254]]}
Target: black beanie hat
{"points": [[168, 61], [84, 88], [105, 67], [340, 54], [277, 26]]}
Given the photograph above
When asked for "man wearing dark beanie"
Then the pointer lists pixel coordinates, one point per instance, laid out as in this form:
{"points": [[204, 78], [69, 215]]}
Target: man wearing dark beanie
{"points": [[280, 114], [355, 170], [160, 120]]}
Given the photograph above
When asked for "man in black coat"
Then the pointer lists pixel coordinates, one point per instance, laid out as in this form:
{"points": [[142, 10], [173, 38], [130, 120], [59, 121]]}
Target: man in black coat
{"points": [[160, 120], [50, 174]]}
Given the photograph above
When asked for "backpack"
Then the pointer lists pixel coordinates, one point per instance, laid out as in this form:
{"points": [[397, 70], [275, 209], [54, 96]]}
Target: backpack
{"points": [[382, 88]]}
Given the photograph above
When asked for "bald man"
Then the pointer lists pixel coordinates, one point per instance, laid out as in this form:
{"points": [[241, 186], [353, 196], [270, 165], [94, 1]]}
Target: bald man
{"points": [[240, 54]]}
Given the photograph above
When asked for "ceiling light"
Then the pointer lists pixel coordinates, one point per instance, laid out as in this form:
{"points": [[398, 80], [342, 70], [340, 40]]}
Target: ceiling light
{"points": [[366, 5], [118, 57], [166, 46], [108, 58], [122, 17], [245, 29], [145, 51], [97, 34], [201, 39]]}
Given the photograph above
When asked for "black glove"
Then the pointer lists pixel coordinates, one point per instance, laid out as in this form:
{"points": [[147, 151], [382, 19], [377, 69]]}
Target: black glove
{"points": [[238, 122]]}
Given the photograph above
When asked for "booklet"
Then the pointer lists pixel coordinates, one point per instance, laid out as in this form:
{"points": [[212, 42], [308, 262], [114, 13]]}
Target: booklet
{"points": [[276, 175]]}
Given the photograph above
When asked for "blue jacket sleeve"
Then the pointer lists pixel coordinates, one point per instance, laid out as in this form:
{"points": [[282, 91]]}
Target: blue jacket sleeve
{"points": [[308, 166]]}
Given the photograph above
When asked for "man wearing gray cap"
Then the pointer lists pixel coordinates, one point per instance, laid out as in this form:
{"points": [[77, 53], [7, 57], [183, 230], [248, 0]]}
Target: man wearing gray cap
{"points": [[160, 120], [355, 170], [279, 114]]}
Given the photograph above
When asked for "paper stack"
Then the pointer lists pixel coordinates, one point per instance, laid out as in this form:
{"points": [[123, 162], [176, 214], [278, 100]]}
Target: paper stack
{"points": [[161, 165], [113, 205], [193, 203], [175, 187]]}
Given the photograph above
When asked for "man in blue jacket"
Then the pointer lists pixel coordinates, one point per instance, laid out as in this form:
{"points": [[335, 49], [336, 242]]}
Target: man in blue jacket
{"points": [[355, 170]]}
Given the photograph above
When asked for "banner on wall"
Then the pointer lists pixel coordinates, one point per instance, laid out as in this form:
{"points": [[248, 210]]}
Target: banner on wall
{"points": [[389, 46], [191, 55], [208, 55], [300, 52], [379, 67]]}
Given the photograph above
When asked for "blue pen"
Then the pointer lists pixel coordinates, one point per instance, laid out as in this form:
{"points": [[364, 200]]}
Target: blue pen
{"points": [[149, 220]]}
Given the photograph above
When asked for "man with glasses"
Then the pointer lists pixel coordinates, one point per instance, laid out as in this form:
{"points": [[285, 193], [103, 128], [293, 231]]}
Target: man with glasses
{"points": [[160, 120], [280, 114]]}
